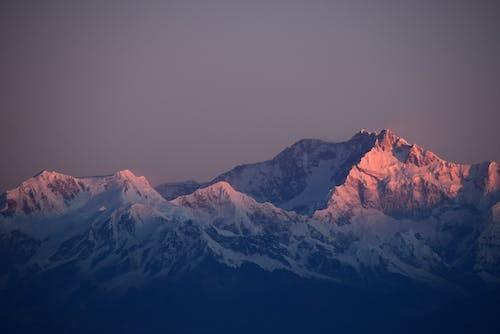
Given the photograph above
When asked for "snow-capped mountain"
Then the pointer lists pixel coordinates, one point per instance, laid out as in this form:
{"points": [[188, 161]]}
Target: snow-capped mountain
{"points": [[52, 193], [404, 180], [363, 210], [53, 220], [392, 175], [299, 178], [239, 229]]}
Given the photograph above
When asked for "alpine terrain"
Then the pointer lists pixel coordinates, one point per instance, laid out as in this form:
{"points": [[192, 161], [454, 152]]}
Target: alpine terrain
{"points": [[373, 233]]}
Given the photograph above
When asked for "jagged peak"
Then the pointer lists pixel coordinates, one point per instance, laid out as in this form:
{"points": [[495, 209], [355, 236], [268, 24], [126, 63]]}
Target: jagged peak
{"points": [[43, 172], [48, 174], [386, 132], [52, 192], [42, 178], [364, 133], [387, 139]]}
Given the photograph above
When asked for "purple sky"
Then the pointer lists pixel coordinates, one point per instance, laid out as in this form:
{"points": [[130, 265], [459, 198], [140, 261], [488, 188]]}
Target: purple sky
{"points": [[189, 88]]}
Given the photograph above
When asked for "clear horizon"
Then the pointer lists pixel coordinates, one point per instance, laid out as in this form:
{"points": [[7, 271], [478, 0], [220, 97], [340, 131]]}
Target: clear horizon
{"points": [[177, 90], [210, 178]]}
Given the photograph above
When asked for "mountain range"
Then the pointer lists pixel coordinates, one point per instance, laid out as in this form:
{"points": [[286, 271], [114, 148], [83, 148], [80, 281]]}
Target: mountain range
{"points": [[374, 210]]}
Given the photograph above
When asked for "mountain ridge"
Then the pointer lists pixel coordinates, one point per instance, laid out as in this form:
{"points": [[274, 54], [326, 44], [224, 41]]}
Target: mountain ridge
{"points": [[242, 177], [360, 210], [53, 192]]}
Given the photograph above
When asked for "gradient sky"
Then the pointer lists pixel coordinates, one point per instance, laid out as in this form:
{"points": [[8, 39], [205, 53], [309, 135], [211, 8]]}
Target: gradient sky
{"points": [[189, 88]]}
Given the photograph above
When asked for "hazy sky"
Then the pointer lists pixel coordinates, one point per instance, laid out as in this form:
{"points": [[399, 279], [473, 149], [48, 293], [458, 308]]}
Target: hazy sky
{"points": [[189, 88]]}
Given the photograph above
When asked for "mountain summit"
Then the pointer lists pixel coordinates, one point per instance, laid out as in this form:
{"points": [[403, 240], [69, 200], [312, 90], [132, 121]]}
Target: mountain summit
{"points": [[374, 210], [299, 178], [304, 177], [50, 192]]}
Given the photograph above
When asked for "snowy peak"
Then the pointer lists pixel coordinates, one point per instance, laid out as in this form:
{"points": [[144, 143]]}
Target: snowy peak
{"points": [[135, 188], [220, 193], [387, 139], [223, 198], [222, 189], [301, 176], [403, 180], [126, 178], [50, 192], [127, 174], [46, 174], [222, 207], [389, 149], [394, 207], [46, 191]]}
